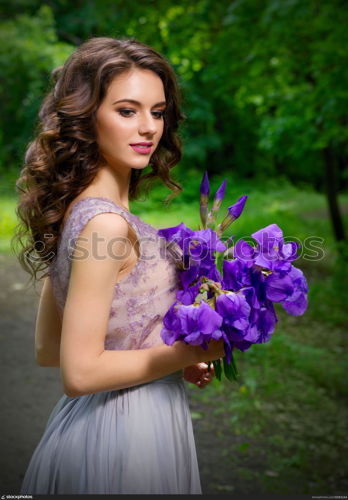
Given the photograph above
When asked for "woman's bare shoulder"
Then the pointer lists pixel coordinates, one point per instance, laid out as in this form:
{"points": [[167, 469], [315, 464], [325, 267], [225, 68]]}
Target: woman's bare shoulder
{"points": [[67, 213]]}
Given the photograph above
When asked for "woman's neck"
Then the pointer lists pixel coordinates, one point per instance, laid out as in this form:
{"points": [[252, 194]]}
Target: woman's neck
{"points": [[111, 184]]}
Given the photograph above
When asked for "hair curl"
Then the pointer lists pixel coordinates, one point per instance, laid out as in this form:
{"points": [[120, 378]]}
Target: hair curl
{"points": [[64, 157]]}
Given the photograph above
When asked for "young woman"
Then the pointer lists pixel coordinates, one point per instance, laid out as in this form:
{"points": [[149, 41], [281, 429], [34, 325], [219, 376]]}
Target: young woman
{"points": [[123, 424]]}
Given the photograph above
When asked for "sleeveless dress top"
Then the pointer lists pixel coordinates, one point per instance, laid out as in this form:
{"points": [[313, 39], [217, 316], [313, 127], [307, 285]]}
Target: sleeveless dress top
{"points": [[137, 440], [142, 297]]}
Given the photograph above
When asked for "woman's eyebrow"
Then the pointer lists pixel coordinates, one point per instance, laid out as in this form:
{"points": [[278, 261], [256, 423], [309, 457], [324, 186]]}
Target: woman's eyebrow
{"points": [[137, 102]]}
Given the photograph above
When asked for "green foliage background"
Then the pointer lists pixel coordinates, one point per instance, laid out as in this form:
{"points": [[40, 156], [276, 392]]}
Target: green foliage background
{"points": [[265, 83], [265, 88]]}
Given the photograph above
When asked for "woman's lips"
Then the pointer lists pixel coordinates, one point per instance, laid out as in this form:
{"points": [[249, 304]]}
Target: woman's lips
{"points": [[144, 150]]}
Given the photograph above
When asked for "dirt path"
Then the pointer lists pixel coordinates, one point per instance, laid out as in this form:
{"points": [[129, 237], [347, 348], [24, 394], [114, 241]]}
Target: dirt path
{"points": [[29, 392]]}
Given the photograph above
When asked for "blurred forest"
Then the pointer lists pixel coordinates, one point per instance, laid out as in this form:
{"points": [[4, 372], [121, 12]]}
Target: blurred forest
{"points": [[265, 84], [265, 93]]}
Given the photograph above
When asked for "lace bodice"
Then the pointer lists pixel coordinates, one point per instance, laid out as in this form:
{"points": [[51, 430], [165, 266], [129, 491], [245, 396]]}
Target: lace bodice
{"points": [[142, 297]]}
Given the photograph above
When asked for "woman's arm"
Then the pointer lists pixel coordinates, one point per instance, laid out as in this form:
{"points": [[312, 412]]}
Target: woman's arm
{"points": [[85, 366], [48, 334], [48, 328]]}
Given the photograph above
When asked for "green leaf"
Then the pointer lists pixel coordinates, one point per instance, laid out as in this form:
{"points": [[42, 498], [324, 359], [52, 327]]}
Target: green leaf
{"points": [[233, 363], [218, 369], [230, 370]]}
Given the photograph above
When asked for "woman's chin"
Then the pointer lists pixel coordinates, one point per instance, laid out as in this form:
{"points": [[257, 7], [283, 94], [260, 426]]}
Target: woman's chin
{"points": [[140, 167]]}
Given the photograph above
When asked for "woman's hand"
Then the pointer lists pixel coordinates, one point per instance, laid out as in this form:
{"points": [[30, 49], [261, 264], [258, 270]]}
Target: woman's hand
{"points": [[198, 374]]}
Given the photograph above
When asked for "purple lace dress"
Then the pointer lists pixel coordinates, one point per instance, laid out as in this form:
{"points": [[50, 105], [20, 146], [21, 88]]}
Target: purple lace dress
{"points": [[134, 440]]}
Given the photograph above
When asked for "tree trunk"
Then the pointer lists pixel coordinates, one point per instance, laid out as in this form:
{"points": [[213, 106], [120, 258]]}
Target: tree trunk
{"points": [[331, 193]]}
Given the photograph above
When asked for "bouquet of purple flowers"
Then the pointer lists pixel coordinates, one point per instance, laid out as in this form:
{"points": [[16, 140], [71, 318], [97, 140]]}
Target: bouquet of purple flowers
{"points": [[228, 289]]}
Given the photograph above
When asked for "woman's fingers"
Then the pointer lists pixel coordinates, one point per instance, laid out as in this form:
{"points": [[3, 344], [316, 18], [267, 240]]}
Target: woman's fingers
{"points": [[202, 366], [204, 380], [199, 375], [212, 369]]}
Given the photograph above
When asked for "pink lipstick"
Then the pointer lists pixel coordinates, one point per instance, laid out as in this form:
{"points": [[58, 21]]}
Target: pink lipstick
{"points": [[142, 147]]}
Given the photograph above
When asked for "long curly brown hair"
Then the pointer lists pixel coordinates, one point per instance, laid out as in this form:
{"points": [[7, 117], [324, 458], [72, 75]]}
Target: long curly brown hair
{"points": [[64, 157]]}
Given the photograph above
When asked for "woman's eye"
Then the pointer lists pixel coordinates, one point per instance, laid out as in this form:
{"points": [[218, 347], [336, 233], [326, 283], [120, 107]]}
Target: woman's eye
{"points": [[159, 114], [126, 113]]}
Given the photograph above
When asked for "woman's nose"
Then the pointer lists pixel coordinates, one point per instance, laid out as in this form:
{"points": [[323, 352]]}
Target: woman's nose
{"points": [[147, 124]]}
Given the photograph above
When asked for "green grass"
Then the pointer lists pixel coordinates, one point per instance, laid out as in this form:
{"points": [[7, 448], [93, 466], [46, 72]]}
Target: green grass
{"points": [[301, 214], [287, 411], [282, 427], [8, 222]]}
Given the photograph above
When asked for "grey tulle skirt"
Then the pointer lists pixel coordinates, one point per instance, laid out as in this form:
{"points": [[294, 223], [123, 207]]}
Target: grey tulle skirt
{"points": [[134, 440]]}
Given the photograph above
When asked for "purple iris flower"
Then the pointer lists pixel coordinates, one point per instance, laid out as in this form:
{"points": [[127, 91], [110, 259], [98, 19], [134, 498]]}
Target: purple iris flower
{"points": [[198, 248], [245, 252], [228, 345], [234, 309], [254, 278], [181, 234], [279, 286], [263, 325], [296, 304], [203, 202], [252, 334], [251, 297], [197, 244], [201, 247], [206, 267], [188, 295], [200, 324], [288, 251], [209, 239], [219, 196], [266, 321], [196, 325], [220, 193], [171, 331], [211, 272], [190, 274], [229, 244], [263, 316], [236, 275], [243, 345], [272, 252], [234, 211], [205, 188]]}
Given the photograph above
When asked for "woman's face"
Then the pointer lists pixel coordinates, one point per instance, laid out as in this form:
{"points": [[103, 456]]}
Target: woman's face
{"points": [[122, 124]]}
